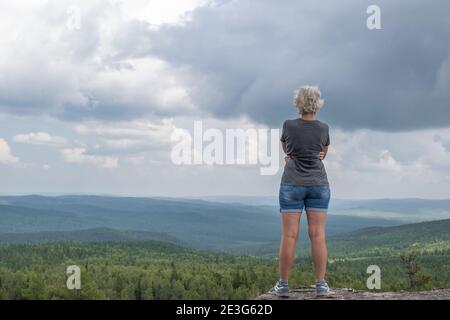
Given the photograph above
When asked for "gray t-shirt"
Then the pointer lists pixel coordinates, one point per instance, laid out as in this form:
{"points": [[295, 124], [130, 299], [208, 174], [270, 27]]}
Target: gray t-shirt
{"points": [[304, 140]]}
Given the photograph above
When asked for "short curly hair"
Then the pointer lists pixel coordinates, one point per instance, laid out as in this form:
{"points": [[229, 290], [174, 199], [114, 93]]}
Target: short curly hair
{"points": [[307, 99]]}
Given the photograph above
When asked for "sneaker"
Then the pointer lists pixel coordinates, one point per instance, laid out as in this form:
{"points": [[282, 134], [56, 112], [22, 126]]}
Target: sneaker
{"points": [[280, 289], [322, 289]]}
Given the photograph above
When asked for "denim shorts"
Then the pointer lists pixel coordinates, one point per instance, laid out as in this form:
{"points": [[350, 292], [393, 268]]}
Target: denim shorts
{"points": [[295, 198]]}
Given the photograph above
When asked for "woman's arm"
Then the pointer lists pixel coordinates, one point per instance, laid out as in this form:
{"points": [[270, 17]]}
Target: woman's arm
{"points": [[323, 153], [287, 157]]}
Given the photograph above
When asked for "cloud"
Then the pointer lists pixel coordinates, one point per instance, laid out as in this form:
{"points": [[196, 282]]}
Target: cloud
{"points": [[124, 82], [228, 59], [389, 156], [134, 130], [6, 156], [124, 138], [146, 87], [79, 156], [247, 57], [75, 74], [40, 138], [157, 12]]}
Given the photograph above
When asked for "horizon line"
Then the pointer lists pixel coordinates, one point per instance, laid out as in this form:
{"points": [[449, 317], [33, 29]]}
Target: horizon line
{"points": [[190, 197]]}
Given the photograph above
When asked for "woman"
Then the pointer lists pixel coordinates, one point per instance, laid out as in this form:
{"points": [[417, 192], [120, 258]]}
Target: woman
{"points": [[304, 185]]}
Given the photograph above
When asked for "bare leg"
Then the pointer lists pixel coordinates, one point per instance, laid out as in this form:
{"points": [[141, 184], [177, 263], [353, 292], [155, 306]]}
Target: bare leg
{"points": [[316, 231], [290, 227]]}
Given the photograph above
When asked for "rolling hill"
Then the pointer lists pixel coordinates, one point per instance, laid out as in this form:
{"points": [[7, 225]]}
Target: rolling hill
{"points": [[407, 210], [127, 265], [424, 237], [200, 224], [89, 235]]}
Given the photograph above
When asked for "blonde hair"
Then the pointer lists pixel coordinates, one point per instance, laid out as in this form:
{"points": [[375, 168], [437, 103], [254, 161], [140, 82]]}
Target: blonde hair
{"points": [[307, 99]]}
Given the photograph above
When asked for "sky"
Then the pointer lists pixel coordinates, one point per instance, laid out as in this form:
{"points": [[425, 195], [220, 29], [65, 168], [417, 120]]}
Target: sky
{"points": [[91, 93]]}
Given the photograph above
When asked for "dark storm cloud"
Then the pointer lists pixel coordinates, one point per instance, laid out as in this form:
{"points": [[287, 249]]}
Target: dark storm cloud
{"points": [[236, 58], [74, 74], [247, 57]]}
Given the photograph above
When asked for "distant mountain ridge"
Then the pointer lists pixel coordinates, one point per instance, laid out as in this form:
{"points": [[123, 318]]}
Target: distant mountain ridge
{"points": [[402, 209], [198, 223], [396, 238], [421, 237], [89, 235]]}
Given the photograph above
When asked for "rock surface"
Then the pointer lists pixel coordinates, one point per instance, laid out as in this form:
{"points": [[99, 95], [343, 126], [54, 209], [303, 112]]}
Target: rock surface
{"points": [[308, 293]]}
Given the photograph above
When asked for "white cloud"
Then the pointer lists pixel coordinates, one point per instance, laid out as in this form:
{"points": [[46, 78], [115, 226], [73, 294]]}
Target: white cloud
{"points": [[128, 139], [157, 12], [78, 155], [373, 164], [134, 161], [133, 130], [83, 73], [6, 156], [40, 138]]}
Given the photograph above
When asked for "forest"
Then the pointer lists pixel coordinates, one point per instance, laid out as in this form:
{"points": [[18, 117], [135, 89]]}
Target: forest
{"points": [[160, 270], [121, 252]]}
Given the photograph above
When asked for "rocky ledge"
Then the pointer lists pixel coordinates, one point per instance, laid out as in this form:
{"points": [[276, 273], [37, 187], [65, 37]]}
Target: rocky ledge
{"points": [[308, 293]]}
